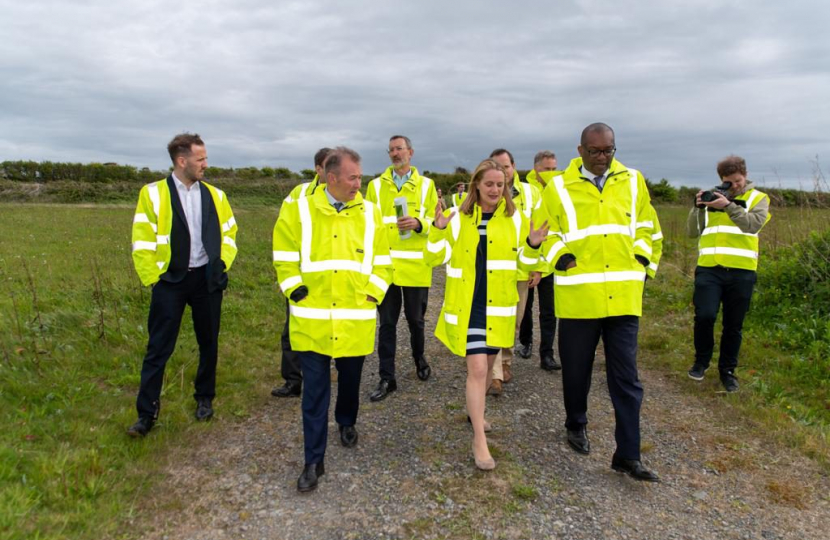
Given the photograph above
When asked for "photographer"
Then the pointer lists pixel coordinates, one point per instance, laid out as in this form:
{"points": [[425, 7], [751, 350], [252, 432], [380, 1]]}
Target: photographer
{"points": [[727, 221]]}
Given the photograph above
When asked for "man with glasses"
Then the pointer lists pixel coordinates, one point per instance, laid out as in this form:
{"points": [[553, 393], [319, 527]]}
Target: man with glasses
{"points": [[407, 201], [600, 257]]}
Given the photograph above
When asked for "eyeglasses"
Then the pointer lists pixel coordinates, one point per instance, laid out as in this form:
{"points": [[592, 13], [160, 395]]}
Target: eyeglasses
{"points": [[595, 152], [396, 149]]}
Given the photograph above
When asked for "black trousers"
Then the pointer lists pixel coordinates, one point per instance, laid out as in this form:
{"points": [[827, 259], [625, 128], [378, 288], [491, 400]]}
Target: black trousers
{"points": [[317, 397], [578, 339], [166, 310], [547, 317], [290, 363], [414, 301], [733, 287]]}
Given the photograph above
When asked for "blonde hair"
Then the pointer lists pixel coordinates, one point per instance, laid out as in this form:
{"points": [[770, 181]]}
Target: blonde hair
{"points": [[468, 204]]}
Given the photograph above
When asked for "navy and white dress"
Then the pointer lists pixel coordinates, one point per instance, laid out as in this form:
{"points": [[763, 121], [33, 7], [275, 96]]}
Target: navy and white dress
{"points": [[477, 332]]}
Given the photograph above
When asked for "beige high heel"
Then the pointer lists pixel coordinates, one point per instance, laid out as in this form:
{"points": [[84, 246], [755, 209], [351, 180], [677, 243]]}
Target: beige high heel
{"points": [[483, 465]]}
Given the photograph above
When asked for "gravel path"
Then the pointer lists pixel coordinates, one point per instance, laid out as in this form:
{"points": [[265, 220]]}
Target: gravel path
{"points": [[412, 473]]}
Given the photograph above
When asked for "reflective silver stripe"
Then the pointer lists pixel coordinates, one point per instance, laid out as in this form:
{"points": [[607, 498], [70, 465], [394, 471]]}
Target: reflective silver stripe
{"points": [[383, 260], [653, 266], [290, 282], [453, 272], [330, 264], [378, 282], [436, 247], [377, 182], [163, 239], [228, 225], [304, 190], [369, 238], [645, 224], [219, 194], [153, 191], [333, 314], [656, 236], [528, 197], [752, 197], [557, 247], [305, 235], [149, 246], [506, 311], [450, 318], [642, 245], [517, 223], [142, 218], [501, 265], [390, 220], [527, 260], [567, 203], [594, 230], [633, 184], [287, 256], [455, 227], [425, 182], [396, 254], [230, 241], [748, 253], [600, 277], [725, 229]]}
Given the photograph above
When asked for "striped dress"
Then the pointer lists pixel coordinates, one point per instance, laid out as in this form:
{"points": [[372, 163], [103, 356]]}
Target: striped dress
{"points": [[477, 332]]}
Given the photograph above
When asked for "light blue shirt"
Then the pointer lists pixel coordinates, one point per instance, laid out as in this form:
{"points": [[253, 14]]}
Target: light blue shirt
{"points": [[334, 202], [401, 180], [593, 177]]}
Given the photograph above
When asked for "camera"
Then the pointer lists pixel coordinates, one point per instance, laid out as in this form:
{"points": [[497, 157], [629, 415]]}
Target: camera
{"points": [[709, 196]]}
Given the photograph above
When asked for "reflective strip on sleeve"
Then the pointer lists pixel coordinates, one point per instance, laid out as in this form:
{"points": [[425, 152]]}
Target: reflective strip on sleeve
{"points": [[599, 277], [396, 254], [287, 256], [436, 247], [645, 224], [451, 318], [163, 239], [142, 218], [748, 253], [557, 247], [148, 246], [726, 229], [378, 282], [290, 282], [496, 311], [383, 260], [656, 236], [453, 272], [642, 245], [228, 225], [527, 260], [333, 314], [653, 266], [230, 241], [501, 265]]}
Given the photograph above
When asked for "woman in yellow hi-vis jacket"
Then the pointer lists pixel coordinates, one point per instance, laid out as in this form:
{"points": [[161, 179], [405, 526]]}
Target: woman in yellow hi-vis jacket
{"points": [[483, 246]]}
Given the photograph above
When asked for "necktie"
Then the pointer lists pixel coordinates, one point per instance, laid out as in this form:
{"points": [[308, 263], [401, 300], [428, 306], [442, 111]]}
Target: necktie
{"points": [[598, 182], [338, 206]]}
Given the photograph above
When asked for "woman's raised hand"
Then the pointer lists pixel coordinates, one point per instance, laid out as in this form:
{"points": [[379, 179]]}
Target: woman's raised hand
{"points": [[537, 236], [441, 220]]}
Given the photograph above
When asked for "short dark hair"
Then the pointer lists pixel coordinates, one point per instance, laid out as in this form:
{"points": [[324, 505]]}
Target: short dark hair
{"points": [[181, 145], [500, 151], [596, 127], [405, 138], [544, 154], [731, 165], [335, 159], [321, 155]]}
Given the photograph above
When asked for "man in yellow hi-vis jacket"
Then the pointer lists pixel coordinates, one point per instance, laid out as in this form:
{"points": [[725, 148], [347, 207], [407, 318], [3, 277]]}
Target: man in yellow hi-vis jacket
{"points": [[407, 236], [184, 242], [600, 257], [332, 260]]}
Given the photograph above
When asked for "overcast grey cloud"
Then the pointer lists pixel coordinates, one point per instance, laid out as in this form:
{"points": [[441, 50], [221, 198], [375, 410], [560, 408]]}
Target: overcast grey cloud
{"points": [[683, 82]]}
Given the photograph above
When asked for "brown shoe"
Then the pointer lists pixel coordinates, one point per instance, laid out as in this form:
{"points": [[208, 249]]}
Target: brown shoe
{"points": [[508, 375], [495, 388]]}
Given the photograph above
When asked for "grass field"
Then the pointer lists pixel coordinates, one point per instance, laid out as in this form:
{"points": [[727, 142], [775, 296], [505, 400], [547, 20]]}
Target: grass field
{"points": [[73, 321]]}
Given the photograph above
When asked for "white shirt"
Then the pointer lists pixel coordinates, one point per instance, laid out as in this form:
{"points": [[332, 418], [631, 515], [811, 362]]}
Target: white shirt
{"points": [[191, 199], [593, 177]]}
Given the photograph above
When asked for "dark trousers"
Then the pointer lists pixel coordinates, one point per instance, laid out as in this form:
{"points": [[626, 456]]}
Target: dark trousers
{"points": [[733, 287], [578, 340], [290, 363], [166, 310], [317, 396], [414, 308], [547, 317]]}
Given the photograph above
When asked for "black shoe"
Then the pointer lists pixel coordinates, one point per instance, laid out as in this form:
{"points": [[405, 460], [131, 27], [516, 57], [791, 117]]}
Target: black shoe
{"points": [[204, 410], [289, 389], [524, 350], [422, 369], [578, 440], [308, 480], [729, 381], [698, 371], [141, 428], [384, 389], [348, 436], [549, 363], [633, 468]]}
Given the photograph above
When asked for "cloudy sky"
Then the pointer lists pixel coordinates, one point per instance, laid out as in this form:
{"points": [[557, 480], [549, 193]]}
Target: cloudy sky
{"points": [[683, 82]]}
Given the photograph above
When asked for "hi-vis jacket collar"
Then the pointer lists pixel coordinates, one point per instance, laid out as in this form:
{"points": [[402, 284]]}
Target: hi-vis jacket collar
{"points": [[615, 169], [322, 202], [414, 174]]}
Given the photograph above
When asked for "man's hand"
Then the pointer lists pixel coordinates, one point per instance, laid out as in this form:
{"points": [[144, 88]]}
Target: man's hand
{"points": [[719, 203], [533, 279], [408, 223], [441, 221], [371, 299], [571, 264]]}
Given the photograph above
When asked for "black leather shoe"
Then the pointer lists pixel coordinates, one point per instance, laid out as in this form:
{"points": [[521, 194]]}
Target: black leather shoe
{"points": [[204, 410], [141, 428], [289, 389], [308, 480], [729, 381], [549, 363], [348, 436], [422, 369], [633, 468], [524, 350], [384, 389], [578, 440]]}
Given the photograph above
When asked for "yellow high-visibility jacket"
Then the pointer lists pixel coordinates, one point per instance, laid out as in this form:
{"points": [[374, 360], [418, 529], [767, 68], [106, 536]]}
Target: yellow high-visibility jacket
{"points": [[507, 251], [540, 181], [528, 202], [723, 243], [407, 255], [301, 190], [601, 231], [458, 198], [153, 222], [653, 223], [341, 258]]}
